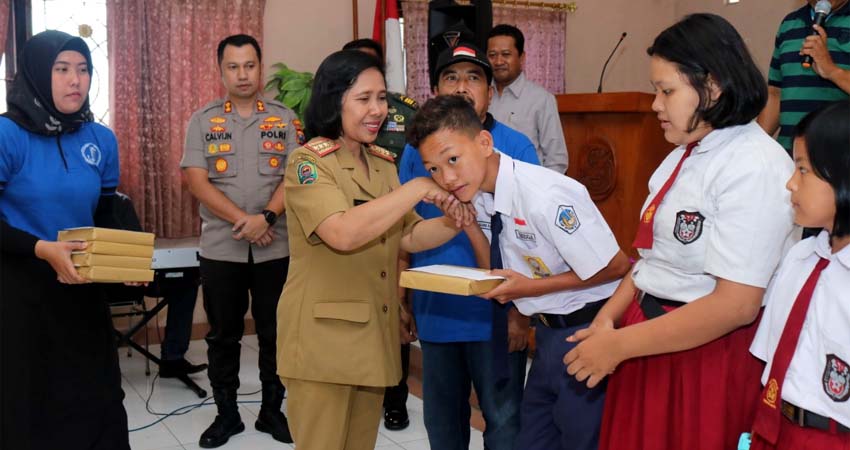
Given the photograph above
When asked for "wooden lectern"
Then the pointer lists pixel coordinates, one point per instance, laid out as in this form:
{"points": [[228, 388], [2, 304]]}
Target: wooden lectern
{"points": [[615, 143]]}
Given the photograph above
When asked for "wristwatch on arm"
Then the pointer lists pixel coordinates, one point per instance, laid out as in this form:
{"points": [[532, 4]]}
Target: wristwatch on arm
{"points": [[271, 216]]}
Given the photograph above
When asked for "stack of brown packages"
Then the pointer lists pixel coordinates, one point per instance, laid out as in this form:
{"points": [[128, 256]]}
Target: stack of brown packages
{"points": [[112, 256]]}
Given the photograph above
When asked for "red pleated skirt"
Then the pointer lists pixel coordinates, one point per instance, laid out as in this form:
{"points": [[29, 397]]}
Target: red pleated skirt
{"points": [[698, 399], [794, 437]]}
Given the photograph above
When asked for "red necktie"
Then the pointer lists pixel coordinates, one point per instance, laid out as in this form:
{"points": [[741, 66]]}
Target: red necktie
{"points": [[644, 232], [768, 413]]}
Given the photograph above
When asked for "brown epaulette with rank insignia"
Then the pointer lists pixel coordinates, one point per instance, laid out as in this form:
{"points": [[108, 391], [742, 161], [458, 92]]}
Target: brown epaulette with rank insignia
{"points": [[382, 153], [322, 146]]}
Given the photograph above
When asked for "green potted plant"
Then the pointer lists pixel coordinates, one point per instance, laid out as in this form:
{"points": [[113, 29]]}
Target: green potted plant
{"points": [[293, 88]]}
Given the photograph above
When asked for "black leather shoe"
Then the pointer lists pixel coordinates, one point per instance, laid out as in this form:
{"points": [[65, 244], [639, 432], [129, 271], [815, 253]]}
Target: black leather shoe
{"points": [[396, 419], [220, 431], [274, 423], [177, 367]]}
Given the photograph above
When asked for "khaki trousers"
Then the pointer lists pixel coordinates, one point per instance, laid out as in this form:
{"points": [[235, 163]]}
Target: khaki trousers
{"points": [[327, 416]]}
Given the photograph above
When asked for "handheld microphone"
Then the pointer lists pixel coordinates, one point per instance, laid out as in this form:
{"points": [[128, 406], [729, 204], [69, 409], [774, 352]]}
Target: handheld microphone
{"points": [[599, 89], [822, 9]]}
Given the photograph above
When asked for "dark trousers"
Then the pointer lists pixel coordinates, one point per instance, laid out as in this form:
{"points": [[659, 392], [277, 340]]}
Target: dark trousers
{"points": [[178, 325], [395, 397], [60, 384], [449, 371], [558, 412], [226, 286]]}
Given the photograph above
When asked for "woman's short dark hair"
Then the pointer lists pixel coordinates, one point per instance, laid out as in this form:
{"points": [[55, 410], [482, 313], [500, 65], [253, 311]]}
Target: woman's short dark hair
{"points": [[335, 76], [826, 132], [706, 48], [238, 40], [371, 44], [451, 112]]}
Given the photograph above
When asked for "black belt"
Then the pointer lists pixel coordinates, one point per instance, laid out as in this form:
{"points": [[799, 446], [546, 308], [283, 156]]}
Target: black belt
{"points": [[809, 419], [652, 306], [582, 316]]}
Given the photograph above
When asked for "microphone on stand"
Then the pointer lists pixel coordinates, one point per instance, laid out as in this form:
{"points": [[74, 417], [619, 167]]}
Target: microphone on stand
{"points": [[623, 36], [822, 10]]}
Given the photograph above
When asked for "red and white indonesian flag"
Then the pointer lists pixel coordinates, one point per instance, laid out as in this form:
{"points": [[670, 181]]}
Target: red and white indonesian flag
{"points": [[386, 29]]}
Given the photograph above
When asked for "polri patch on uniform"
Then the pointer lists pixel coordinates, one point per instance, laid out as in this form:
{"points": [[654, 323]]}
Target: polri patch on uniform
{"points": [[836, 379], [567, 219], [538, 267], [307, 172], [688, 226]]}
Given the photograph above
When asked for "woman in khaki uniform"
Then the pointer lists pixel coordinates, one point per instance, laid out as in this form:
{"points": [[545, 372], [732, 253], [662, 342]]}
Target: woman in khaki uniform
{"points": [[347, 215]]}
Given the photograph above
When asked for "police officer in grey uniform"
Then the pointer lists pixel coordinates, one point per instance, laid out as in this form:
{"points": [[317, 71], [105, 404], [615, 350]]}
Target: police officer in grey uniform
{"points": [[234, 162], [400, 111]]}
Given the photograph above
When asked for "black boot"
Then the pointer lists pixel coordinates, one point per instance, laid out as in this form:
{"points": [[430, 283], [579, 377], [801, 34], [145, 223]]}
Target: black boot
{"points": [[178, 367], [226, 423], [271, 420]]}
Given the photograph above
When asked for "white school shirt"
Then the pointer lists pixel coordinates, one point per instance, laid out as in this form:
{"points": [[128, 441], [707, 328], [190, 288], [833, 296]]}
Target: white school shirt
{"points": [[549, 226], [727, 215], [818, 378]]}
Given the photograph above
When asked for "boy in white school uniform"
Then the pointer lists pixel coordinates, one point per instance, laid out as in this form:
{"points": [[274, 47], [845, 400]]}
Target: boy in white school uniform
{"points": [[541, 231]]}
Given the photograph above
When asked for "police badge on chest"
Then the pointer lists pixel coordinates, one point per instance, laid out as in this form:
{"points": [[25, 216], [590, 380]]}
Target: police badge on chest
{"points": [[688, 226]]}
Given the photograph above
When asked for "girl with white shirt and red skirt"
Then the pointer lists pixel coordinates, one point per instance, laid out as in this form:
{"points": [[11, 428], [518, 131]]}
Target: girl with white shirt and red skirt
{"points": [[674, 337], [804, 334]]}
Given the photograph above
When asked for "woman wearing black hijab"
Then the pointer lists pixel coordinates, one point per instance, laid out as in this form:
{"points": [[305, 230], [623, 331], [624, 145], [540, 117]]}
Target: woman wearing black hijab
{"points": [[60, 385]]}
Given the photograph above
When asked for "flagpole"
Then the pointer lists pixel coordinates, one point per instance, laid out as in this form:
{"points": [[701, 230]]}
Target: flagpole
{"points": [[354, 20], [383, 19]]}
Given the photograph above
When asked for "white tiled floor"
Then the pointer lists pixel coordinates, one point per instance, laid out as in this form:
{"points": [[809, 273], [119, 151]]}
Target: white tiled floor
{"points": [[182, 432]]}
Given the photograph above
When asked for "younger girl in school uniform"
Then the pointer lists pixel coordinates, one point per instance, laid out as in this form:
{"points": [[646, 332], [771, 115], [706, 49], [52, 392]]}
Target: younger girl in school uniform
{"points": [[804, 335], [677, 331]]}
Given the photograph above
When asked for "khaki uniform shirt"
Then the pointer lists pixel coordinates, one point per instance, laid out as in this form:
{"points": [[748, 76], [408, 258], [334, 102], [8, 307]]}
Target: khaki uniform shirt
{"points": [[400, 111], [337, 319], [245, 158]]}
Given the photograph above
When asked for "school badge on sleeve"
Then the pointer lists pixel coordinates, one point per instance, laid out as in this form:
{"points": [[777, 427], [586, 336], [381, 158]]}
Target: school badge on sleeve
{"points": [[567, 219], [688, 226], [836, 379]]}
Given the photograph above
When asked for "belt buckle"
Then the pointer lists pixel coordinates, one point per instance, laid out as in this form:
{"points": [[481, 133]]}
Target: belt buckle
{"points": [[794, 413], [543, 320]]}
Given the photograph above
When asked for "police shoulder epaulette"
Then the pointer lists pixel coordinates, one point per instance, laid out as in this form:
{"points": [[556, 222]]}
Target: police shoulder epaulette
{"points": [[213, 105], [408, 101], [322, 146], [381, 152]]}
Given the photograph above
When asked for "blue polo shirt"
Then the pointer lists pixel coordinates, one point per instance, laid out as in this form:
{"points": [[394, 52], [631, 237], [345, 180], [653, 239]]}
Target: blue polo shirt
{"points": [[42, 194], [445, 317]]}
